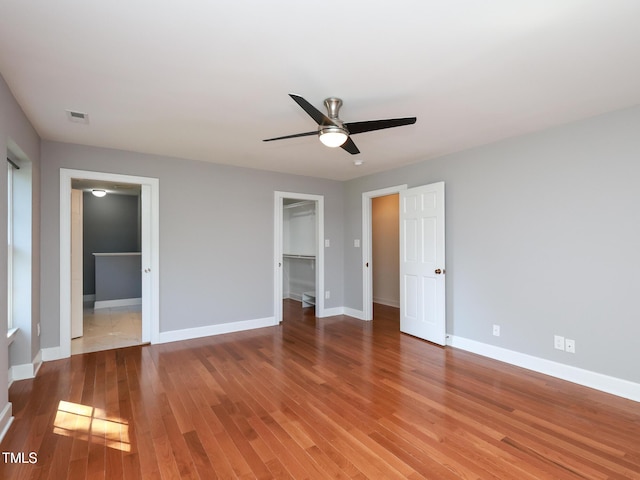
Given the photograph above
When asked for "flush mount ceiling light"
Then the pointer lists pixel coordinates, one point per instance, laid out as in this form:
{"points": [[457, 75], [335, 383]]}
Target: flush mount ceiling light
{"points": [[98, 193]]}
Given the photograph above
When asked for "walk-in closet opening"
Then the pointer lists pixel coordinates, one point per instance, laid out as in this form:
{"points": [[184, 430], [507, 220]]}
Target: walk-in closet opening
{"points": [[299, 259], [299, 252]]}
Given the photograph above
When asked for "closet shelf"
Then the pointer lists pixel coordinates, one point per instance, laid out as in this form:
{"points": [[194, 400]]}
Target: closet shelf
{"points": [[299, 204], [308, 299], [293, 255]]}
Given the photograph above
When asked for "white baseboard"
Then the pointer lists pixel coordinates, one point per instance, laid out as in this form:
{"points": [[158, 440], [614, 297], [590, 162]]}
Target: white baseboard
{"points": [[55, 353], [27, 370], [6, 419], [332, 312], [37, 363], [51, 353], [122, 302], [615, 386], [20, 372], [209, 330], [352, 312]]}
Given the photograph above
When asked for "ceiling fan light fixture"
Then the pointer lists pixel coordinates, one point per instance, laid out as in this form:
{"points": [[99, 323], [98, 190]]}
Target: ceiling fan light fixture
{"points": [[333, 136], [333, 132]]}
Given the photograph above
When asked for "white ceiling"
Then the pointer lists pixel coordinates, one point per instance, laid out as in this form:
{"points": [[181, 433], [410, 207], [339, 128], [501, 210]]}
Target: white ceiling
{"points": [[208, 80]]}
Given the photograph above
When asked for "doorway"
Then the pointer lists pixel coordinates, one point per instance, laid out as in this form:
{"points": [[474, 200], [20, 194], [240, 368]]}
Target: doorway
{"points": [[367, 245], [149, 255], [422, 243], [385, 251], [299, 248], [106, 275]]}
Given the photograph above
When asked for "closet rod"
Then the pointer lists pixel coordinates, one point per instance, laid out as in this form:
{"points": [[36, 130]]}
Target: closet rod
{"points": [[295, 255], [299, 204], [14, 164]]}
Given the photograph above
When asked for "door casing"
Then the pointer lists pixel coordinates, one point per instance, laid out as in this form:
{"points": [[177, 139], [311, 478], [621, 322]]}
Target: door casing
{"points": [[277, 251], [77, 324], [150, 234]]}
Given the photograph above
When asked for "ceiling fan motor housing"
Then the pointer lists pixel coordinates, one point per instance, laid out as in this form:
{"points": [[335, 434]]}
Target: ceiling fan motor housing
{"points": [[333, 105]]}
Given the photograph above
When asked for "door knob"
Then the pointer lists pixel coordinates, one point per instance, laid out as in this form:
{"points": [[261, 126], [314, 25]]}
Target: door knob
{"points": [[438, 271]]}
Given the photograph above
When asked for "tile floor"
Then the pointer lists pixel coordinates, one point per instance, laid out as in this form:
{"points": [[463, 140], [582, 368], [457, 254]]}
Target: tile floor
{"points": [[108, 328]]}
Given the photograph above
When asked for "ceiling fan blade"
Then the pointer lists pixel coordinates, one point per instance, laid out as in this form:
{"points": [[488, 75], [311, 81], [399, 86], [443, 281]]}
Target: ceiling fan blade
{"points": [[368, 126], [305, 134], [350, 147], [317, 115]]}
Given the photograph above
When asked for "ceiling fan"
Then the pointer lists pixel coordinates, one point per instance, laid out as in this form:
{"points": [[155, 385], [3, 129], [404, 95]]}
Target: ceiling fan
{"points": [[332, 131]]}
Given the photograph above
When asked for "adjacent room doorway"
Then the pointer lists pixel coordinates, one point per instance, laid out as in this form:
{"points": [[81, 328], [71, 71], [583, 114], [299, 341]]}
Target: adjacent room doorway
{"points": [[149, 233], [106, 275], [422, 284]]}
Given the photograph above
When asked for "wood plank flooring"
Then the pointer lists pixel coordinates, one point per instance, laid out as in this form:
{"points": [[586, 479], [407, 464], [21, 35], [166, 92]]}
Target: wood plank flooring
{"points": [[313, 398]]}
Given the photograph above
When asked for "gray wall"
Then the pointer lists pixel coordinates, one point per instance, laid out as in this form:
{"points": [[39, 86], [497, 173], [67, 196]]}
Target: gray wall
{"points": [[118, 277], [543, 238], [216, 235], [18, 136], [110, 224]]}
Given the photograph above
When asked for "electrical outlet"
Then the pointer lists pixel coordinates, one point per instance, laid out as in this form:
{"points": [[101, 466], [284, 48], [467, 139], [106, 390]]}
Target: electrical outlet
{"points": [[570, 345], [356, 243], [327, 243], [327, 295], [496, 330], [558, 342]]}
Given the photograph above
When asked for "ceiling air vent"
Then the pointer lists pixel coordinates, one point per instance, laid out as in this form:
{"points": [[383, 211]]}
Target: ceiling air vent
{"points": [[77, 117]]}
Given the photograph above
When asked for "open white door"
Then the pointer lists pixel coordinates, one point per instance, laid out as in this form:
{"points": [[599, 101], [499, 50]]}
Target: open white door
{"points": [[76, 264], [422, 280]]}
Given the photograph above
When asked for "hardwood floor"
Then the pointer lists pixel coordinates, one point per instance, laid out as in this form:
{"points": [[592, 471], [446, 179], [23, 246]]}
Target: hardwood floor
{"points": [[313, 398]]}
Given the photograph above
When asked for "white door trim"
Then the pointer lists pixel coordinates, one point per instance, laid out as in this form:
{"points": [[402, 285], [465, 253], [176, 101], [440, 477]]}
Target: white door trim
{"points": [[150, 252], [77, 264], [367, 241], [277, 251]]}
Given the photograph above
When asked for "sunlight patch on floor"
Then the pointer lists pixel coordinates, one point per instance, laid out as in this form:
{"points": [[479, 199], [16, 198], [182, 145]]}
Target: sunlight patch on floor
{"points": [[92, 425]]}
